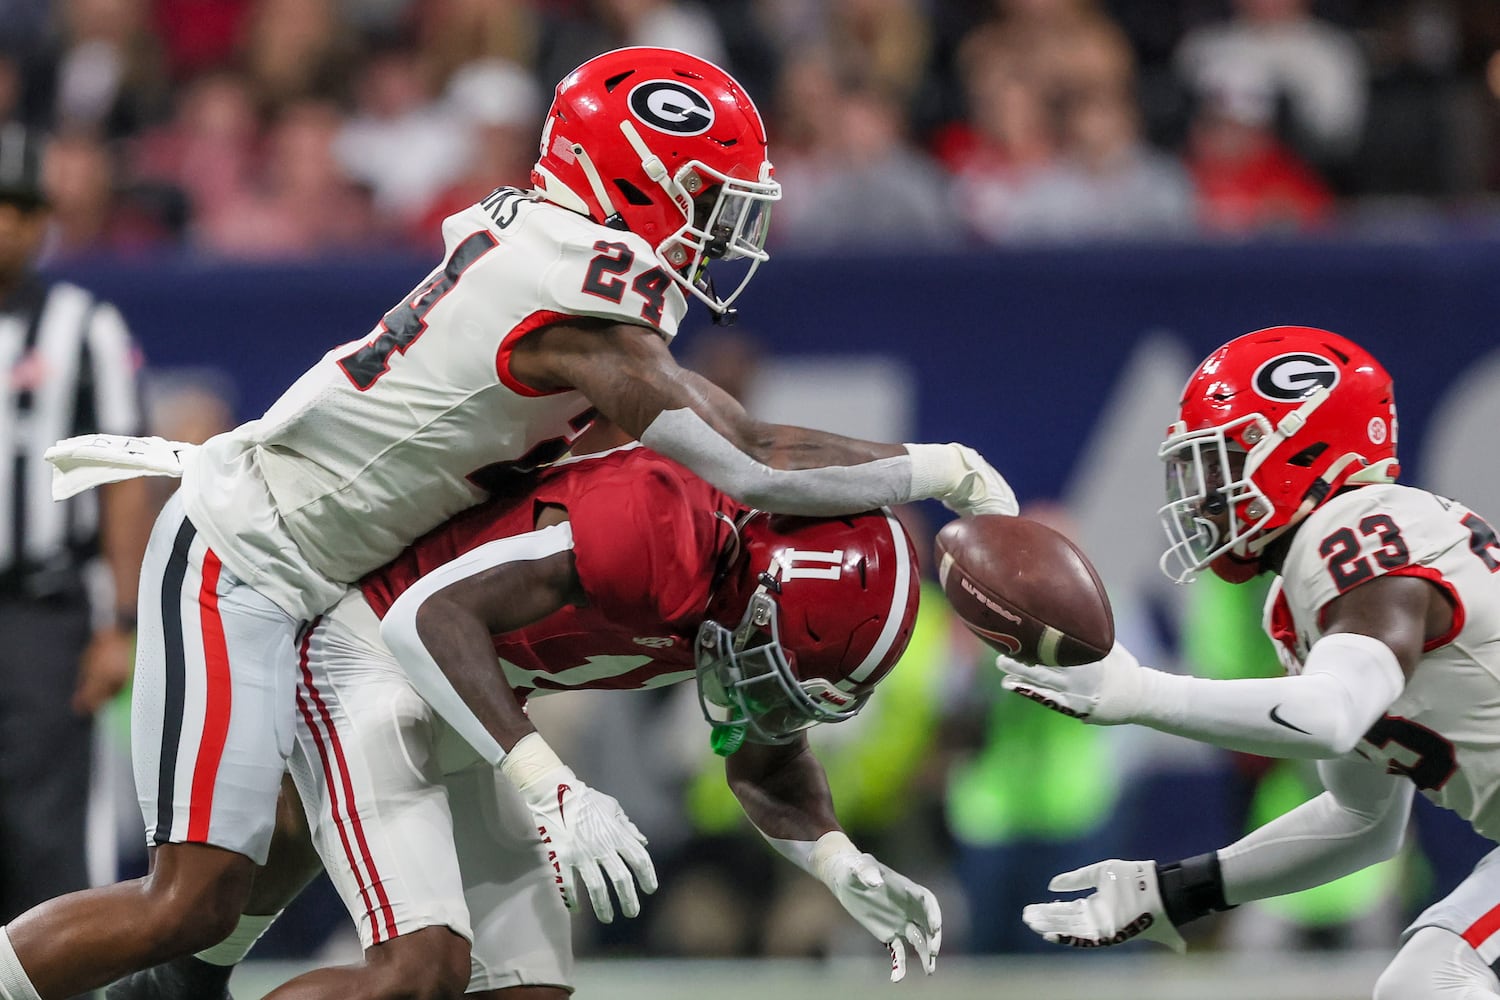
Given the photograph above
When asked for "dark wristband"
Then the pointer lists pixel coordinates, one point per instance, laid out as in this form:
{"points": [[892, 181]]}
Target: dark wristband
{"points": [[125, 621], [1191, 888]]}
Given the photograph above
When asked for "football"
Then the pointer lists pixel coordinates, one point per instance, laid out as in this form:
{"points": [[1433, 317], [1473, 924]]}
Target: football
{"points": [[1025, 589]]}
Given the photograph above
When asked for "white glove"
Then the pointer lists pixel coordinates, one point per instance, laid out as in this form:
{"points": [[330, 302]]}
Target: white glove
{"points": [[1106, 692], [585, 831], [959, 476], [1126, 905], [886, 903], [89, 460]]}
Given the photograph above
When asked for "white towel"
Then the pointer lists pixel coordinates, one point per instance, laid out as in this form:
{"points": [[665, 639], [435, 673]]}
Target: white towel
{"points": [[81, 463]]}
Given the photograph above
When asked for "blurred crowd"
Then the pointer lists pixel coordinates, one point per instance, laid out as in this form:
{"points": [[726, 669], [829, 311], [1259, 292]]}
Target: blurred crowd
{"points": [[257, 128]]}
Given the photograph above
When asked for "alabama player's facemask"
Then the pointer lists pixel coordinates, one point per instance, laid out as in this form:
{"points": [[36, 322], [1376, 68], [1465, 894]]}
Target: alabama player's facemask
{"points": [[1270, 426], [825, 609], [669, 147]]}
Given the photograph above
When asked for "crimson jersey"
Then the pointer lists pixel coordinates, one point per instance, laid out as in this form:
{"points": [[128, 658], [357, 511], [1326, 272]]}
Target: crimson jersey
{"points": [[647, 539]]}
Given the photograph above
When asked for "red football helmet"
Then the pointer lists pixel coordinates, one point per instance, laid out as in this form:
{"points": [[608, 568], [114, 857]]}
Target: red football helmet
{"points": [[635, 135], [1270, 426], [828, 608]]}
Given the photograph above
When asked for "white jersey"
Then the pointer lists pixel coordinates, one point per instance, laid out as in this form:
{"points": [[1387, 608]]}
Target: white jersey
{"points": [[1444, 730], [387, 437]]}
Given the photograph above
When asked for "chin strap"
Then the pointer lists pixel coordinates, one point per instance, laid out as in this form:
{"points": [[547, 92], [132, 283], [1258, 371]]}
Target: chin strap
{"points": [[596, 183]]}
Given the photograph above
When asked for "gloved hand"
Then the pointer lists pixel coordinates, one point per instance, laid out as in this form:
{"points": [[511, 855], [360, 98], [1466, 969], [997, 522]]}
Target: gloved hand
{"points": [[959, 476], [980, 489], [587, 834], [886, 903], [1126, 904], [1104, 693], [89, 460]]}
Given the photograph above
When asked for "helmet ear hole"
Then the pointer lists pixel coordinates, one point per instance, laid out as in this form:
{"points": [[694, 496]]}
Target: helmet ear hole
{"points": [[1307, 456], [633, 195]]}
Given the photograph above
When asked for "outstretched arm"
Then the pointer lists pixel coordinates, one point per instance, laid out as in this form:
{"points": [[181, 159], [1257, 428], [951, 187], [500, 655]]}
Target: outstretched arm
{"points": [[1359, 821], [631, 378], [1373, 640], [783, 790], [785, 793]]}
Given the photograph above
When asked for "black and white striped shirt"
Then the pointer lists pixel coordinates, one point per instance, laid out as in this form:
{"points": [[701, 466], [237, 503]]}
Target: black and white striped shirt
{"points": [[73, 369]]}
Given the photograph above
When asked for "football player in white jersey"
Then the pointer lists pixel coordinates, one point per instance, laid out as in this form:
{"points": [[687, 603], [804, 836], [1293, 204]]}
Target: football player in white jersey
{"points": [[549, 305], [1386, 614]]}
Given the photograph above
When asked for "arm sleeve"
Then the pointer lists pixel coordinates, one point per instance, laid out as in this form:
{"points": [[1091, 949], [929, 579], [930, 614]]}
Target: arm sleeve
{"points": [[1359, 821], [399, 628], [1348, 683], [685, 437]]}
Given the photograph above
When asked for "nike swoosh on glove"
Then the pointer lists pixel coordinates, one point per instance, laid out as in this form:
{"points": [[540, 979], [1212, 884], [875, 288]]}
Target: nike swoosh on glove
{"points": [[886, 903], [587, 835], [1107, 692], [1125, 904]]}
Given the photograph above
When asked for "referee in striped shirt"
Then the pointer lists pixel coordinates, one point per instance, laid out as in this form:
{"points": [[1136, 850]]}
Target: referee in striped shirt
{"points": [[72, 369]]}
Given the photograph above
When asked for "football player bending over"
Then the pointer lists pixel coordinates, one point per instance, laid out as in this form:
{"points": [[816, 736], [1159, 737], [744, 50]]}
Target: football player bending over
{"points": [[549, 305], [1386, 614], [615, 571]]}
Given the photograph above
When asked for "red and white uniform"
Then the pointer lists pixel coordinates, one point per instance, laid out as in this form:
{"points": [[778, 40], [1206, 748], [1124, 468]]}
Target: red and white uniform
{"points": [[1443, 732], [646, 537], [378, 442], [414, 829], [387, 437]]}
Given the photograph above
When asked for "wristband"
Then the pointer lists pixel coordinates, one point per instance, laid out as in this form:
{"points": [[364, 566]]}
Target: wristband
{"points": [[1191, 888], [529, 761], [812, 856], [935, 470], [125, 621]]}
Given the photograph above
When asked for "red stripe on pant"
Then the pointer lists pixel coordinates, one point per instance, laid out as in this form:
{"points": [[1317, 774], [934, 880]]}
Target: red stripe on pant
{"points": [[217, 701], [1483, 928], [348, 812]]}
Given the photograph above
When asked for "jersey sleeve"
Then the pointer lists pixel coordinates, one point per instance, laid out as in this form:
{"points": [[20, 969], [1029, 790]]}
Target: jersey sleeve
{"points": [[643, 552], [614, 276], [1364, 535]]}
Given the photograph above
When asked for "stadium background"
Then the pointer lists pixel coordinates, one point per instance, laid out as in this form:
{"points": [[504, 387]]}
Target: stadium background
{"points": [[1014, 223]]}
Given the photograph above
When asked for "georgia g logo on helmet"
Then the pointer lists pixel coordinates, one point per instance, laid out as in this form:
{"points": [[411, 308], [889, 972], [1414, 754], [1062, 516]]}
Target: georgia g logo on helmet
{"points": [[671, 107], [1290, 377]]}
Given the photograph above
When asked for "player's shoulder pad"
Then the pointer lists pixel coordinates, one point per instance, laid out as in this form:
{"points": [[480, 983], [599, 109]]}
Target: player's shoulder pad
{"points": [[630, 478], [1362, 534], [643, 531], [602, 272]]}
